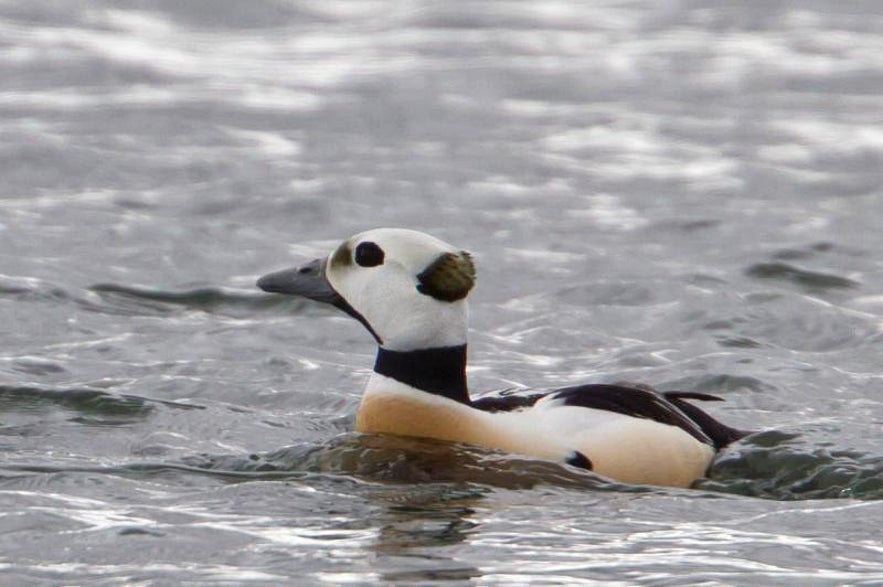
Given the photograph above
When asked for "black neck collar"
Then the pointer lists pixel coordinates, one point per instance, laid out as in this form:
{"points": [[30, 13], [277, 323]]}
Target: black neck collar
{"points": [[441, 370]]}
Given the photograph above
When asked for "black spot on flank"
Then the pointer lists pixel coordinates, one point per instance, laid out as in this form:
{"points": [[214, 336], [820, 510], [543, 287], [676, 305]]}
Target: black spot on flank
{"points": [[578, 459], [368, 254]]}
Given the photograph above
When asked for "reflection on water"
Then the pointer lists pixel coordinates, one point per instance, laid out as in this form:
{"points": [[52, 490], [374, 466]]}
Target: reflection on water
{"points": [[413, 533]]}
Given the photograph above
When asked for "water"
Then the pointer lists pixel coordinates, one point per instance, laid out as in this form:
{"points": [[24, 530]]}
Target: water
{"points": [[679, 193]]}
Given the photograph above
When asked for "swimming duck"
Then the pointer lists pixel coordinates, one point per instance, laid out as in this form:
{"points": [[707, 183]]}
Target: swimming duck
{"points": [[409, 290]]}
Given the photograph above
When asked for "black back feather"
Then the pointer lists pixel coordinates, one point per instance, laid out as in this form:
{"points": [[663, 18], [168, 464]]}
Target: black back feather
{"points": [[670, 407], [631, 401], [720, 433]]}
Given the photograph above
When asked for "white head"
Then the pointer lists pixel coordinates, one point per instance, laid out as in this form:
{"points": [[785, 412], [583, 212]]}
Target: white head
{"points": [[407, 287]]}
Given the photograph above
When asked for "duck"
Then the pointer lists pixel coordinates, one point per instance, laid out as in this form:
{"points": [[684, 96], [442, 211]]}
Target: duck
{"points": [[409, 290]]}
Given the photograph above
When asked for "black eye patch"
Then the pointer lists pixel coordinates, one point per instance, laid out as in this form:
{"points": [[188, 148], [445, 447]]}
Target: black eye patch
{"points": [[368, 254]]}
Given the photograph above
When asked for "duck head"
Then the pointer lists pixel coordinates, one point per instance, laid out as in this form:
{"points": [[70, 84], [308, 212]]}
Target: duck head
{"points": [[407, 288]]}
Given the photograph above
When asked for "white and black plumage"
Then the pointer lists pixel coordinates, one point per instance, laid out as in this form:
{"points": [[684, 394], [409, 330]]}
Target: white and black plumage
{"points": [[409, 290]]}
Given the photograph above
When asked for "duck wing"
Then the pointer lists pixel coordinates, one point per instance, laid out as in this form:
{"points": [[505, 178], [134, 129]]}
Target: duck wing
{"points": [[508, 400], [630, 401], [670, 407]]}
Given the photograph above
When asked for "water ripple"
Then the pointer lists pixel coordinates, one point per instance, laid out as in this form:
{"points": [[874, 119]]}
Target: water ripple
{"points": [[682, 192], [774, 465], [132, 300], [92, 402], [808, 279]]}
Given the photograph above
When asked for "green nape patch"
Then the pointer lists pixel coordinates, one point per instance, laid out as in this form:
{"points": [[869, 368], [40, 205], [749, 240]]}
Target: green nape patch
{"points": [[449, 278]]}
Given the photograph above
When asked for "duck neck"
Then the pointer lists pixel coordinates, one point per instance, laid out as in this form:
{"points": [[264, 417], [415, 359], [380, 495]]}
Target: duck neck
{"points": [[440, 371]]}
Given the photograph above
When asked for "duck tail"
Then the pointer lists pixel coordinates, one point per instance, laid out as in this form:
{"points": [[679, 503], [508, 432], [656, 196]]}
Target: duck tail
{"points": [[721, 434]]}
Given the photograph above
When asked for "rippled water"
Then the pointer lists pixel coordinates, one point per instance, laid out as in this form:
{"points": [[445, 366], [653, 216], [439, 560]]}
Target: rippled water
{"points": [[686, 194]]}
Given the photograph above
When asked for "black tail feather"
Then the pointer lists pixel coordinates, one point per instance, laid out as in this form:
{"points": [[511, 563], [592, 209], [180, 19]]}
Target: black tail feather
{"points": [[720, 434]]}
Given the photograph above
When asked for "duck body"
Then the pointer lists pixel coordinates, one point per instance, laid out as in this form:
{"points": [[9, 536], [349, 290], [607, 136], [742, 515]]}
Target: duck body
{"points": [[626, 448], [409, 290]]}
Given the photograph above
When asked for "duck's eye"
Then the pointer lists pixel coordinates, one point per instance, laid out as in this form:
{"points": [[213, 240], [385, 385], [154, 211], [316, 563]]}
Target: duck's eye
{"points": [[368, 254]]}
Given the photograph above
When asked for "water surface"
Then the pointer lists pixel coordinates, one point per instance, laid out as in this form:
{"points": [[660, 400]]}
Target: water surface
{"points": [[685, 194]]}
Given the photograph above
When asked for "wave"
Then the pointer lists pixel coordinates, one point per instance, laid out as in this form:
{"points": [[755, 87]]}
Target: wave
{"points": [[776, 465], [117, 299], [121, 299], [768, 465], [806, 278], [86, 401]]}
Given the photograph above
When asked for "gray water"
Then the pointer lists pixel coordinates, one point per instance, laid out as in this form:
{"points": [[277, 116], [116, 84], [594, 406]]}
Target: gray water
{"points": [[680, 193]]}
